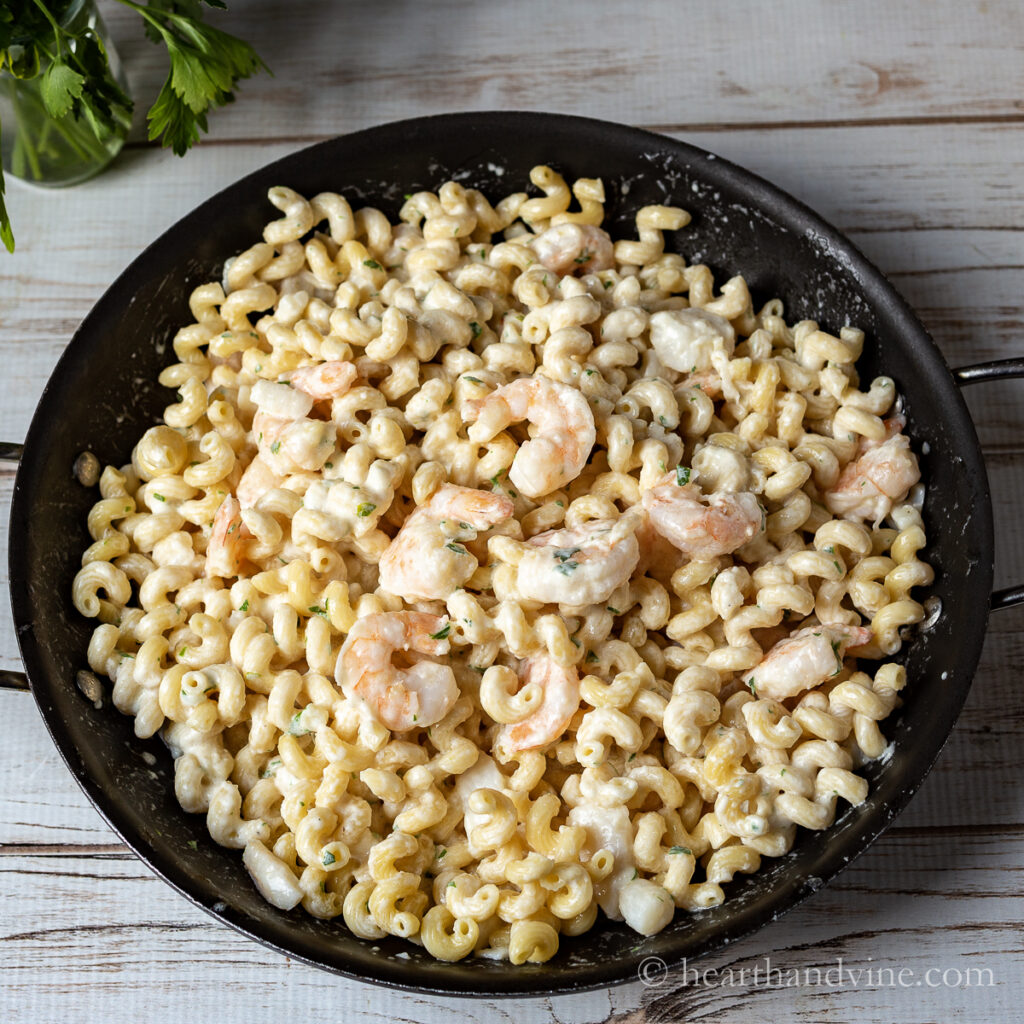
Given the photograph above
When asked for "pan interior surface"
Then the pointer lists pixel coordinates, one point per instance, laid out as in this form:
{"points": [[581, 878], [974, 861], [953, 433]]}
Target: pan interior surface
{"points": [[104, 394]]}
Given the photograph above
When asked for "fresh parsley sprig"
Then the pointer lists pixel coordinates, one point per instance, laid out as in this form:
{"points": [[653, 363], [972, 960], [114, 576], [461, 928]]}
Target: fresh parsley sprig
{"points": [[206, 66]]}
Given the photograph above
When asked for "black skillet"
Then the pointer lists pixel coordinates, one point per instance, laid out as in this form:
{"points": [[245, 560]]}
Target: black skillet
{"points": [[103, 395]]}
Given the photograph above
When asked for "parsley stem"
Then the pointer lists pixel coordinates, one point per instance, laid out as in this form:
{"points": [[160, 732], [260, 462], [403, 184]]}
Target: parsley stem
{"points": [[57, 33], [22, 139]]}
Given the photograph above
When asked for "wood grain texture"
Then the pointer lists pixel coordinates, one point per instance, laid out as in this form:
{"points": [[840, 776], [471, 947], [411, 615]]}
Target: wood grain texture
{"points": [[100, 915], [901, 123], [683, 67]]}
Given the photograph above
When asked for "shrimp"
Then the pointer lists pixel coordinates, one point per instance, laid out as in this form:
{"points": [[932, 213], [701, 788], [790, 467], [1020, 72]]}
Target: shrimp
{"points": [[324, 381], [401, 698], [708, 381], [288, 439], [225, 551], [879, 478], [428, 558], [689, 340], [582, 566], [574, 249], [291, 446], [561, 687], [563, 424], [702, 531], [658, 557], [257, 479], [804, 660]]}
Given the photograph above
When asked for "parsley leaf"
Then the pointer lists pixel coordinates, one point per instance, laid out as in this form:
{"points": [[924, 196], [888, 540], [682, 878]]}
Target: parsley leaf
{"points": [[682, 475], [563, 556], [206, 65], [442, 633], [60, 87], [365, 509]]}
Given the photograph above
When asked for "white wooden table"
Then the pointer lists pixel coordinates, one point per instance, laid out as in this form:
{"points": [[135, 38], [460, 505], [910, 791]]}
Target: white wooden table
{"points": [[901, 122]]}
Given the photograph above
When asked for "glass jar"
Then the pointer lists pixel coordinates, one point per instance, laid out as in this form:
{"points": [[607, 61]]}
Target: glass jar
{"points": [[58, 151]]}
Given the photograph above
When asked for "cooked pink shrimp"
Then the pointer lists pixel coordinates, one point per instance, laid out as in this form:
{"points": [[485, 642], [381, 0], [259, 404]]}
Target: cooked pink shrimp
{"points": [[879, 478], [574, 249], [804, 660], [563, 431], [581, 566], [290, 446], [708, 381], [324, 381], [428, 558], [411, 697], [225, 550], [257, 479], [561, 687], [702, 526], [658, 557]]}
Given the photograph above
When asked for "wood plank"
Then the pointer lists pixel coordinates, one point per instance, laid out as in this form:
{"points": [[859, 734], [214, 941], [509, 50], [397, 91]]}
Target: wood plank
{"points": [[340, 67], [101, 917], [874, 178]]}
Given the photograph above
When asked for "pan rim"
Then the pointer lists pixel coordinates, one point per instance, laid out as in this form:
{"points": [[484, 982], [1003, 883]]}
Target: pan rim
{"points": [[762, 194]]}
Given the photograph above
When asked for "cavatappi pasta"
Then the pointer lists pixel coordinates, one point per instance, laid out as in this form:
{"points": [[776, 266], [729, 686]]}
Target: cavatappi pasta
{"points": [[488, 572]]}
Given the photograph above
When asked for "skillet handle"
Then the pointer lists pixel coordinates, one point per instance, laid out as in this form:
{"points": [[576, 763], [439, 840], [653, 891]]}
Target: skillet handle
{"points": [[979, 373], [12, 680]]}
